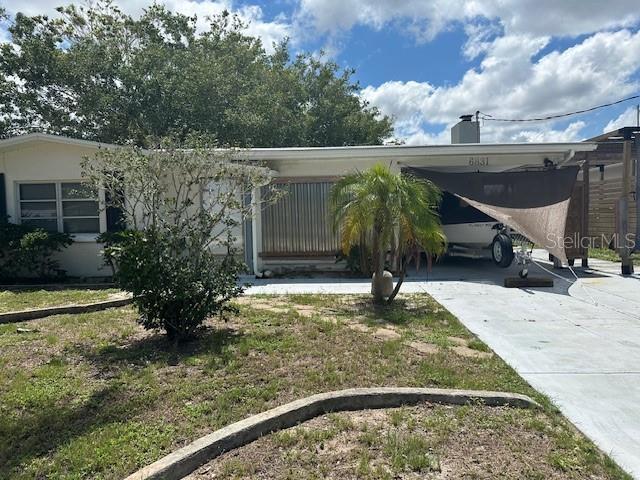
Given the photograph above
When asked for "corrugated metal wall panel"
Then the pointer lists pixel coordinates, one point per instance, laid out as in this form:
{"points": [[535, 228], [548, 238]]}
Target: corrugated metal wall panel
{"points": [[298, 223]]}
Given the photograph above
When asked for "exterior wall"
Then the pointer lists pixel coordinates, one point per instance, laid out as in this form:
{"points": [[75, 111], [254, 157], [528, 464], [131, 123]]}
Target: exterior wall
{"points": [[40, 161], [45, 161], [208, 201], [309, 244]]}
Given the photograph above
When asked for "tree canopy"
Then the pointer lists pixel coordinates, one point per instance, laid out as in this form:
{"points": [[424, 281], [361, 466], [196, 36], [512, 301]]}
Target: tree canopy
{"points": [[99, 74], [387, 211]]}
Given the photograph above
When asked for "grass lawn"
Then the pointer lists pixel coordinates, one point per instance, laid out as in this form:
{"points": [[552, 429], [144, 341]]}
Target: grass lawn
{"points": [[22, 300], [426, 441], [96, 396], [611, 255]]}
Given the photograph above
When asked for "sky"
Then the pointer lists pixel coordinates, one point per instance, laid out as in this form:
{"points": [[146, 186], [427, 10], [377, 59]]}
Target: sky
{"points": [[426, 62]]}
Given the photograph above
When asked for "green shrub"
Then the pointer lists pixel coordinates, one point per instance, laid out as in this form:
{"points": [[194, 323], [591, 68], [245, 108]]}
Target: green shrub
{"points": [[175, 288], [26, 252], [181, 206]]}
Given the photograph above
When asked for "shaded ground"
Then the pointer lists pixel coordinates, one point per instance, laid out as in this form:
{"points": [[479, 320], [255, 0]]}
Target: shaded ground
{"points": [[423, 442], [22, 300], [95, 396]]}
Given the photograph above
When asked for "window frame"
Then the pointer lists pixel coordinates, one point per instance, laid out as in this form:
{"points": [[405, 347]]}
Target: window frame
{"points": [[77, 237]]}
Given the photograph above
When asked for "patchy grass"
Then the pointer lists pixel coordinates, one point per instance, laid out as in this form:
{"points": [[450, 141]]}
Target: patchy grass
{"points": [[425, 441], [611, 255], [96, 396], [22, 300]]}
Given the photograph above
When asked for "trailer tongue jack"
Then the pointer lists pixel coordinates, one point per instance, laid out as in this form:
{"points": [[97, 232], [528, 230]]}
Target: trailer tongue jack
{"points": [[523, 280]]}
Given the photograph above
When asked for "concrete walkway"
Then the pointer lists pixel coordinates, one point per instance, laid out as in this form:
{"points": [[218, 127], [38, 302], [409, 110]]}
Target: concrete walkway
{"points": [[578, 343]]}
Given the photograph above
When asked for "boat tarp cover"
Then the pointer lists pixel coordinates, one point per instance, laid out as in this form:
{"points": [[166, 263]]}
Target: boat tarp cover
{"points": [[533, 203]]}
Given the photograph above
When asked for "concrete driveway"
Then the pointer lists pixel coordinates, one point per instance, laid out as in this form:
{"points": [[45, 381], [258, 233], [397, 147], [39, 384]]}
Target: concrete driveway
{"points": [[578, 343]]}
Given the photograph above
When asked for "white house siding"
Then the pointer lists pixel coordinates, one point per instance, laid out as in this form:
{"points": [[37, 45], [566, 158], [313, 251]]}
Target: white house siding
{"points": [[56, 160], [42, 161], [209, 195]]}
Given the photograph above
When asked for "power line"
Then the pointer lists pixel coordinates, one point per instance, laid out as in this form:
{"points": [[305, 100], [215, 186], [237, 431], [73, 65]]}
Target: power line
{"points": [[491, 118]]}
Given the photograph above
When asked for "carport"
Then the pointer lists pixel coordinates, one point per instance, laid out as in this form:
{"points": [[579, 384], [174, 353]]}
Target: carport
{"points": [[295, 233]]}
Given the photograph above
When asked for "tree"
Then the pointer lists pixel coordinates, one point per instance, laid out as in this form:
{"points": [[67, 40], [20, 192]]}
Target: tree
{"points": [[185, 207], [99, 74], [388, 211]]}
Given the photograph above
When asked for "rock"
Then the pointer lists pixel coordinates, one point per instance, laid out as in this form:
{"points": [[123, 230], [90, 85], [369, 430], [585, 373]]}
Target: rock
{"points": [[387, 283]]}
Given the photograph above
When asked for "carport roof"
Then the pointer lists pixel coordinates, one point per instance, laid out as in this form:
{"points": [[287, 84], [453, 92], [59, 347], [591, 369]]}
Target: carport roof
{"points": [[408, 151]]}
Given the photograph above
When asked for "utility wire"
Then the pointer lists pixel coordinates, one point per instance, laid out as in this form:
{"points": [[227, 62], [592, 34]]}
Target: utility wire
{"points": [[491, 118]]}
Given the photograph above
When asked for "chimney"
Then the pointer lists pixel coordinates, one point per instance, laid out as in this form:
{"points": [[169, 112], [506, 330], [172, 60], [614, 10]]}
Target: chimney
{"points": [[466, 130]]}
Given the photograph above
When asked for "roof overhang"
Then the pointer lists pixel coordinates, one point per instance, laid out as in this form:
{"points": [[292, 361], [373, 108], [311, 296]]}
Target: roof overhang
{"points": [[36, 138], [411, 151], [458, 156]]}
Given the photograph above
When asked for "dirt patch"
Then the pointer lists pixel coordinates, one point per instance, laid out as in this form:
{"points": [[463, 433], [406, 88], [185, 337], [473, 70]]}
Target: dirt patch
{"points": [[423, 442], [277, 306]]}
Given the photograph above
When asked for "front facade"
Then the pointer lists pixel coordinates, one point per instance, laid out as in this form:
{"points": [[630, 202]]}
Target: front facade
{"points": [[40, 174]]}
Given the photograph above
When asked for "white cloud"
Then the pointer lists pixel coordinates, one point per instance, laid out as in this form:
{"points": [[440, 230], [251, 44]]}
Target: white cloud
{"points": [[426, 19], [268, 31], [511, 83], [628, 118], [414, 134]]}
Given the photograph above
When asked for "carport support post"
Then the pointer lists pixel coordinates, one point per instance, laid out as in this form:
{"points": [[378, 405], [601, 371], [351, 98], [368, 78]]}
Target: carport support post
{"points": [[636, 245], [623, 206], [256, 229], [586, 192]]}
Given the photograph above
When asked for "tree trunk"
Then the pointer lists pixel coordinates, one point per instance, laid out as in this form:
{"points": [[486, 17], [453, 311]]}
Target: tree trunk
{"points": [[403, 272], [378, 259]]}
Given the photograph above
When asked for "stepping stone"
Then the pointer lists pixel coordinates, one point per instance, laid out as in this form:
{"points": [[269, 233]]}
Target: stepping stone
{"points": [[461, 342], [424, 348], [386, 334], [470, 352], [305, 310], [358, 327]]}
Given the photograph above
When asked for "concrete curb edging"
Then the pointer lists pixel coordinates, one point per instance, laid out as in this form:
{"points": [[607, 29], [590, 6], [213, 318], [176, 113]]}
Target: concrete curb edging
{"points": [[182, 462], [24, 315]]}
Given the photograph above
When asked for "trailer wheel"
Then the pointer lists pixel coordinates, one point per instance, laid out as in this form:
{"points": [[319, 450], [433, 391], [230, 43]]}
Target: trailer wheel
{"points": [[502, 250]]}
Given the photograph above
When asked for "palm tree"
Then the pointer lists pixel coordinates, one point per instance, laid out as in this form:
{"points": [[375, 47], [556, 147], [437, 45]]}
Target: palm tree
{"points": [[389, 211]]}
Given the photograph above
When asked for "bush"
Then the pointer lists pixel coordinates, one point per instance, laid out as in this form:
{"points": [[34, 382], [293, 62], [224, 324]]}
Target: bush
{"points": [[173, 291], [357, 263], [182, 204], [25, 252]]}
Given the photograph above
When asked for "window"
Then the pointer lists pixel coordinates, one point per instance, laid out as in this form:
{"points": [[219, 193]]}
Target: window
{"points": [[80, 211], [64, 207], [38, 206]]}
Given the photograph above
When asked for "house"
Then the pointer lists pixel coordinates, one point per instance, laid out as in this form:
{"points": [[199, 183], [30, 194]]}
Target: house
{"points": [[38, 172]]}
